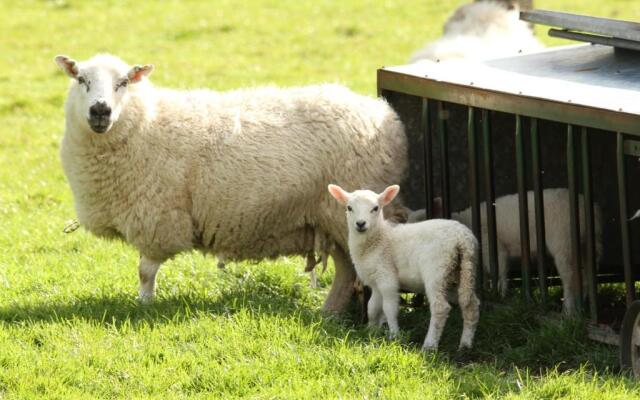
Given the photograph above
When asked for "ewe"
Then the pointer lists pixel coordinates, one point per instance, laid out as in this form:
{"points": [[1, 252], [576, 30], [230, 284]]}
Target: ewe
{"points": [[428, 257], [242, 174]]}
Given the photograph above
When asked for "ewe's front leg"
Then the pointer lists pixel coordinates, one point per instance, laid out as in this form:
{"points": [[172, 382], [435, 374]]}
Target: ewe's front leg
{"points": [[147, 271]]}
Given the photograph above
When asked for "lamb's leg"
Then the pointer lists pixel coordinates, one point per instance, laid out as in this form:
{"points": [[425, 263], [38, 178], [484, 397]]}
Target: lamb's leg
{"points": [[374, 308], [503, 271], [470, 308], [567, 271], [147, 271], [390, 305], [342, 286], [439, 308], [313, 279]]}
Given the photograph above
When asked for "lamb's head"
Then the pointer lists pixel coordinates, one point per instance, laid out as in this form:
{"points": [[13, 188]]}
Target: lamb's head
{"points": [[364, 207], [100, 88]]}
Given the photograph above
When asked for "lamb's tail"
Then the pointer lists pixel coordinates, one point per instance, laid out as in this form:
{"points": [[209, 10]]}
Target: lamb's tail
{"points": [[469, 302], [468, 260]]}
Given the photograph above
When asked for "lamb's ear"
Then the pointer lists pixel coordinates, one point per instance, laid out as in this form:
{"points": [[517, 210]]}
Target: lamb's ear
{"points": [[338, 193], [388, 195], [138, 72], [68, 65]]}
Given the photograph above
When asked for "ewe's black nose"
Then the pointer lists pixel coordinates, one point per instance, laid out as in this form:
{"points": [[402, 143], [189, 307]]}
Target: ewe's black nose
{"points": [[100, 110], [361, 224]]}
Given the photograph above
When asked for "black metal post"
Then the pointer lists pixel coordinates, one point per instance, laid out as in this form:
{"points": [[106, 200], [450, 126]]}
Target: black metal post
{"points": [[474, 193], [444, 159], [574, 215], [624, 223], [490, 200], [590, 262], [538, 200], [428, 157], [525, 253]]}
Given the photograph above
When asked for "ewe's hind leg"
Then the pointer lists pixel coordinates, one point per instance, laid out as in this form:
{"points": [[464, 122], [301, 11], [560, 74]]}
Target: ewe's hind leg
{"points": [[342, 286], [439, 308], [147, 271]]}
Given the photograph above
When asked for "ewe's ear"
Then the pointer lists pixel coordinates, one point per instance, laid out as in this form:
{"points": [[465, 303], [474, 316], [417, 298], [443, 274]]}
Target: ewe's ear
{"points": [[388, 195], [68, 65], [138, 72], [338, 193]]}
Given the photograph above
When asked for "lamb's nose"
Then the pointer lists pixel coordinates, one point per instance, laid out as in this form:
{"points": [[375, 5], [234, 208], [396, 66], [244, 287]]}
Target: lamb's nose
{"points": [[361, 224], [100, 110]]}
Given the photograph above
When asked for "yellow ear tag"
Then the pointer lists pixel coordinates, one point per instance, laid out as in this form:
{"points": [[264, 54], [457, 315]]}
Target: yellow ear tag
{"points": [[71, 226]]}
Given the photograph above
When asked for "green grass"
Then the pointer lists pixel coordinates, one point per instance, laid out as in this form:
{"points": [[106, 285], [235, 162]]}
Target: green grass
{"points": [[69, 325]]}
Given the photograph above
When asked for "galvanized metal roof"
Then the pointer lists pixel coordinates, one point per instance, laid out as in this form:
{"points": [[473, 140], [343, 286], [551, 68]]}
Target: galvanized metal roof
{"points": [[589, 75]]}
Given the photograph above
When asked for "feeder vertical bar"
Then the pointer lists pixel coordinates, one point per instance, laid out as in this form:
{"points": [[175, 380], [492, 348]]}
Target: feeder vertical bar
{"points": [[525, 253], [590, 262], [624, 221], [475, 194], [574, 214], [538, 200], [428, 157], [490, 199], [444, 159]]}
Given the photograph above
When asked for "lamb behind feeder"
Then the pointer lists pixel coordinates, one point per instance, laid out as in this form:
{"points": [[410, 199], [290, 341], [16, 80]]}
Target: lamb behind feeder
{"points": [[557, 236], [479, 31]]}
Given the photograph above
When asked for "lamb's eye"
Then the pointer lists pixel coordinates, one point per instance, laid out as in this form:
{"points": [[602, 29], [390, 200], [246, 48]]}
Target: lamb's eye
{"points": [[375, 209], [349, 208], [83, 81]]}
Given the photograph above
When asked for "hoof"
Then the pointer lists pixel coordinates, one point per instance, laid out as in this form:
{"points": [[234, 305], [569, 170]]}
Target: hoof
{"points": [[464, 346], [145, 300], [429, 349]]}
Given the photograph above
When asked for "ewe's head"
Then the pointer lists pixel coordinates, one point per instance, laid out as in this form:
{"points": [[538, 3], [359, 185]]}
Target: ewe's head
{"points": [[364, 207], [100, 88]]}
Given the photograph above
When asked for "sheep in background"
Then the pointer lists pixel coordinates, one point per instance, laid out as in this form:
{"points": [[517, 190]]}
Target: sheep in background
{"points": [[480, 31], [428, 257], [557, 236], [241, 174]]}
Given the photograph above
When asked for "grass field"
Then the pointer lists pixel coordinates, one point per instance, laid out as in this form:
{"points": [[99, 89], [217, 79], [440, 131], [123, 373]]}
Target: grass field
{"points": [[69, 323]]}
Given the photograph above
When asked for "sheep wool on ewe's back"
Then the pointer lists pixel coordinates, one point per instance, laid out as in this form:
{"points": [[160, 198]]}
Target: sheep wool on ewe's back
{"points": [[241, 174]]}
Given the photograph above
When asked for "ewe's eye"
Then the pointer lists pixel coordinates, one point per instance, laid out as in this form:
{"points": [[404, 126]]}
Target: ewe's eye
{"points": [[122, 83], [349, 208], [375, 209]]}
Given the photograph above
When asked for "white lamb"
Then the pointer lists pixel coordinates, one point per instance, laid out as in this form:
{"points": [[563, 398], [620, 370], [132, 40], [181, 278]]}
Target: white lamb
{"points": [[557, 236], [241, 174], [480, 31], [429, 257]]}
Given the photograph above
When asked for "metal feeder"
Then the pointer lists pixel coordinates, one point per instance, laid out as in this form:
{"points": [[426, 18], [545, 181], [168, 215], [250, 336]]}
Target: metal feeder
{"points": [[566, 117]]}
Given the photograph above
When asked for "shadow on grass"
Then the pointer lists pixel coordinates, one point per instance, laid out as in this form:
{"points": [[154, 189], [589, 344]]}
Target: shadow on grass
{"points": [[520, 335], [509, 337], [256, 293]]}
